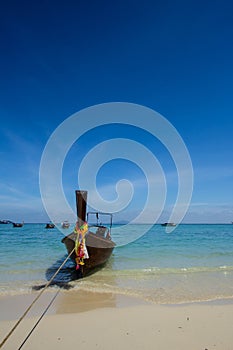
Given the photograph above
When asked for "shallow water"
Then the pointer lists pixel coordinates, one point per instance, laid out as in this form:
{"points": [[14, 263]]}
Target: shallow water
{"points": [[192, 263]]}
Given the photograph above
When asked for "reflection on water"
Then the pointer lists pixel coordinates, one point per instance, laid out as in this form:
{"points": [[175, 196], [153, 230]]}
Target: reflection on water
{"points": [[76, 301], [80, 301]]}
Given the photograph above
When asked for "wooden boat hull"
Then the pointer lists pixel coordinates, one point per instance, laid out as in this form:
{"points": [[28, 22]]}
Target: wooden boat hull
{"points": [[65, 225], [49, 226], [4, 222], [168, 224], [17, 224], [99, 251]]}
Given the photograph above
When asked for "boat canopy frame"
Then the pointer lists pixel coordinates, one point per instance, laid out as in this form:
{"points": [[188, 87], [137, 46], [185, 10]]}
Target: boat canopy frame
{"points": [[97, 215]]}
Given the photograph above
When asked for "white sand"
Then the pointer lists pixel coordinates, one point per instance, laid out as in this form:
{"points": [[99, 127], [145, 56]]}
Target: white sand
{"points": [[136, 326]]}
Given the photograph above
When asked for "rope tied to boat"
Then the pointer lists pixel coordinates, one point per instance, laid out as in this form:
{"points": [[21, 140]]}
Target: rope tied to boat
{"points": [[34, 301], [80, 244]]}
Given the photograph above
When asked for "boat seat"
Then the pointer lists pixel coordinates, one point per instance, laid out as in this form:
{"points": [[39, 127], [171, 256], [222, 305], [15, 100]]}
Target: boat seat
{"points": [[101, 231]]}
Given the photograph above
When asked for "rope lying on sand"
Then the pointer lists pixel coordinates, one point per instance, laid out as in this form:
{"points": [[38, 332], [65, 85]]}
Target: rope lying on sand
{"points": [[30, 306], [38, 320]]}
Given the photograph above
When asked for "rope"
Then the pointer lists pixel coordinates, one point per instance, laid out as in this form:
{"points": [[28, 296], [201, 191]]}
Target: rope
{"points": [[38, 321], [30, 306]]}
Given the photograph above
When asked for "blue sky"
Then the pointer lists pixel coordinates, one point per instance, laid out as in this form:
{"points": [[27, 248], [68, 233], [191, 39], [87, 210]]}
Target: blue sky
{"points": [[174, 57]]}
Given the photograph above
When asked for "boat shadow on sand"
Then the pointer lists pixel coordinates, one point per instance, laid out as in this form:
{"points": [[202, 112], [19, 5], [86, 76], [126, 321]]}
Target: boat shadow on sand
{"points": [[65, 275]]}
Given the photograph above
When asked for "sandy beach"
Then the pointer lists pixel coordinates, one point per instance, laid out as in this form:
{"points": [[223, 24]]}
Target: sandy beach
{"points": [[105, 321]]}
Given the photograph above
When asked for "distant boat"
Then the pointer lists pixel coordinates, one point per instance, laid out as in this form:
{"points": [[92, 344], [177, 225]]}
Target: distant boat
{"points": [[168, 224], [65, 224], [17, 224], [50, 225], [98, 242], [4, 222]]}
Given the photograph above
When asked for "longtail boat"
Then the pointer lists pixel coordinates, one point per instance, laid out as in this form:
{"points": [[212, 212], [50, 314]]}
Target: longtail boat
{"points": [[97, 240], [49, 225], [65, 224], [4, 222], [17, 224], [168, 224]]}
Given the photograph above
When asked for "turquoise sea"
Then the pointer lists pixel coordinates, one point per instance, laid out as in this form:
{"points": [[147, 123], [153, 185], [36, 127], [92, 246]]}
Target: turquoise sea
{"points": [[192, 263]]}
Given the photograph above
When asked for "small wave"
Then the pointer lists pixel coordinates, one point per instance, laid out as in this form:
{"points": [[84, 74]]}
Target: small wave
{"points": [[12, 288], [153, 295], [162, 271]]}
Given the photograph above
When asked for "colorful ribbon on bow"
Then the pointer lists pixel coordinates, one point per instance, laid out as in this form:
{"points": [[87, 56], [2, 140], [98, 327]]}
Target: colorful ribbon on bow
{"points": [[80, 244]]}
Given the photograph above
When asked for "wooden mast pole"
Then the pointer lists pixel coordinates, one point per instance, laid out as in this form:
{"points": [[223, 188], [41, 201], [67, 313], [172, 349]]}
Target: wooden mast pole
{"points": [[81, 206]]}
